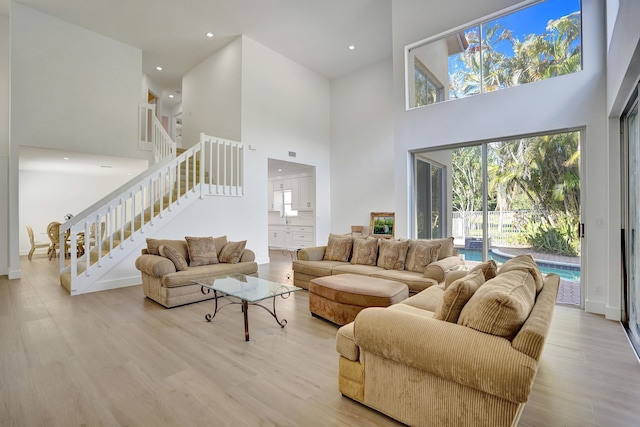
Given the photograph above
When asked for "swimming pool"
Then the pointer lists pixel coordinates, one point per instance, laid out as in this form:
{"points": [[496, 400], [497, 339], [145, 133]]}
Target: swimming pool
{"points": [[565, 271]]}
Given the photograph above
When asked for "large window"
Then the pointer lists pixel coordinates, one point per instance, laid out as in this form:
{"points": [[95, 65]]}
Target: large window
{"points": [[538, 42]]}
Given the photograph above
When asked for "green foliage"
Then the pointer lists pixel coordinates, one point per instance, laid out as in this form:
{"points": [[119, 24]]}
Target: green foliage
{"points": [[561, 238]]}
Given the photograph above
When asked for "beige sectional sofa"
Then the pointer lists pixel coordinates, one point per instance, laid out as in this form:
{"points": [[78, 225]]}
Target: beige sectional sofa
{"points": [[168, 267], [417, 263], [463, 353]]}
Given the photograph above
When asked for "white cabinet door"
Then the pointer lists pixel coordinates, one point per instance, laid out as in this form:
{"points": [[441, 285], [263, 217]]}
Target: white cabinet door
{"points": [[305, 193], [277, 201], [276, 237], [295, 194], [282, 184]]}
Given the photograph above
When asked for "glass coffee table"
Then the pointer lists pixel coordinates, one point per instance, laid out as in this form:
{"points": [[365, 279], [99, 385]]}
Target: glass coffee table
{"points": [[245, 291]]}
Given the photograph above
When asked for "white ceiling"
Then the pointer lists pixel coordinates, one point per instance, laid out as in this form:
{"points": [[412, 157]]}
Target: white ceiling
{"points": [[58, 161], [171, 34]]}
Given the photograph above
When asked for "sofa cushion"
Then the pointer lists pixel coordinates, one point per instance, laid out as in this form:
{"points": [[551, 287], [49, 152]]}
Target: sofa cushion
{"points": [[427, 299], [501, 305], [446, 247], [457, 295], [202, 251], [420, 254], [415, 281], [316, 268], [338, 248], [364, 270], [526, 263], [345, 343], [365, 251], [175, 256], [392, 253], [232, 251], [153, 246], [204, 272]]}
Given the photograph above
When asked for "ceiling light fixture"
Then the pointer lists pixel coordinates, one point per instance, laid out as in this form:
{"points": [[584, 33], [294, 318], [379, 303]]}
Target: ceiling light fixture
{"points": [[159, 68], [65, 158], [210, 35], [352, 47], [171, 96]]}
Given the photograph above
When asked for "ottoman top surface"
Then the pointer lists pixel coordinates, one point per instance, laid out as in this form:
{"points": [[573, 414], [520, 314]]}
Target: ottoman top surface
{"points": [[358, 284]]}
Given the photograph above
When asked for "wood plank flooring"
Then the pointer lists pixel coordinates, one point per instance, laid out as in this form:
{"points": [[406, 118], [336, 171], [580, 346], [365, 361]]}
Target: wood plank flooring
{"points": [[116, 358]]}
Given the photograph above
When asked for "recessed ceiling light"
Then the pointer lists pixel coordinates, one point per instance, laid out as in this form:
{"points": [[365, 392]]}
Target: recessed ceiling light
{"points": [[170, 96], [352, 47], [209, 35], [65, 158], [279, 170], [159, 68]]}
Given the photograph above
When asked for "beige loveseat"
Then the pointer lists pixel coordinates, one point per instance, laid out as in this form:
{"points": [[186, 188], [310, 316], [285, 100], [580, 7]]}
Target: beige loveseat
{"points": [[417, 263], [168, 269], [464, 356]]}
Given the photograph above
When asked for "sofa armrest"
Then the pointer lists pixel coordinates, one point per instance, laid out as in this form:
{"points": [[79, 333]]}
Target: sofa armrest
{"points": [[437, 270], [155, 265], [450, 351], [312, 254], [248, 256]]}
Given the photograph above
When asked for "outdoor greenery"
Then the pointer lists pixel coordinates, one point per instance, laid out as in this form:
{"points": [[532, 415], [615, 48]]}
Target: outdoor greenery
{"points": [[537, 175]]}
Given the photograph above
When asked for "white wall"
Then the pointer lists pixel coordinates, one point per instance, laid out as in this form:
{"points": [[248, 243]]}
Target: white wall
{"points": [[4, 144], [573, 101], [72, 88], [362, 175], [211, 94], [46, 197], [285, 107]]}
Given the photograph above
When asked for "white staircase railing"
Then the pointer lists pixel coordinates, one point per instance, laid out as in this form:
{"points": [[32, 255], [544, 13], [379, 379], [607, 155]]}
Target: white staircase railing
{"points": [[153, 136], [104, 234]]}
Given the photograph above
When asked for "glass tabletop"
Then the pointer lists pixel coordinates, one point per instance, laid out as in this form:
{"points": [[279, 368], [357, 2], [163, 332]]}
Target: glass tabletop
{"points": [[246, 288]]}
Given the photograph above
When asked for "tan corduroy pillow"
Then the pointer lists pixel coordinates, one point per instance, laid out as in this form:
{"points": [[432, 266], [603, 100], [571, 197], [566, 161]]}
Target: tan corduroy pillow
{"points": [[392, 254], [501, 305], [488, 268], [175, 256], [338, 248], [457, 295], [526, 263], [420, 254], [153, 246], [202, 251], [365, 251], [232, 252], [446, 247]]}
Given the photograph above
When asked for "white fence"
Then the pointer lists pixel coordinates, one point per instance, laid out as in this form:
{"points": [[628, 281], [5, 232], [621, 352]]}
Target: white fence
{"points": [[504, 226]]}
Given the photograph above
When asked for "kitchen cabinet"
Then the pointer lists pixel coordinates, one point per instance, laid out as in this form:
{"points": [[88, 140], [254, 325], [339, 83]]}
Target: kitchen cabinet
{"points": [[270, 205], [282, 184], [301, 236], [302, 193], [276, 236]]}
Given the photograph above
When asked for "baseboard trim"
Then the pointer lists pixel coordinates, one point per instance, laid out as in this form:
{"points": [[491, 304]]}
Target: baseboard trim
{"points": [[596, 307]]}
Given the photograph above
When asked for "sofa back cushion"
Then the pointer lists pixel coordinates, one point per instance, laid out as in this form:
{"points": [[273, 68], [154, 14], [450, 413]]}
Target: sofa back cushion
{"points": [[501, 305], [525, 263], [392, 253], [338, 248], [488, 268], [153, 246], [446, 247], [202, 251], [420, 254], [457, 295], [365, 251], [232, 252]]}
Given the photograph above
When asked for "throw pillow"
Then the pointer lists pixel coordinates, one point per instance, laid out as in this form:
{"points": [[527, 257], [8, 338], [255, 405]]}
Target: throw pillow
{"points": [[392, 254], [365, 251], [338, 248], [489, 269], [175, 256], [457, 295], [232, 252], [420, 254], [202, 251], [526, 263], [502, 305]]}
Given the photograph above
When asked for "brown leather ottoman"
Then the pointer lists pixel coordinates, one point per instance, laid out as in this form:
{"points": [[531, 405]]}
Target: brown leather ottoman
{"points": [[341, 297]]}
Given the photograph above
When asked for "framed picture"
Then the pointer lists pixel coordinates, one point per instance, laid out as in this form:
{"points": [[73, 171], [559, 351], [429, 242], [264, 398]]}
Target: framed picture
{"points": [[382, 224]]}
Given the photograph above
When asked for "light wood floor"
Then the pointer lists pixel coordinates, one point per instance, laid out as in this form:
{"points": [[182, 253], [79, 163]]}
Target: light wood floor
{"points": [[116, 358]]}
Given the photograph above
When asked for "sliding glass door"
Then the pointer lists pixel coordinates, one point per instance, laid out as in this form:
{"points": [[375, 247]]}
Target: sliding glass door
{"points": [[631, 235], [505, 198]]}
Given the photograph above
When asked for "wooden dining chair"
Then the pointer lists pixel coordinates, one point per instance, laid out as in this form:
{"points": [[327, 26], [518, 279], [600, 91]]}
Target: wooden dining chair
{"points": [[36, 245], [53, 231]]}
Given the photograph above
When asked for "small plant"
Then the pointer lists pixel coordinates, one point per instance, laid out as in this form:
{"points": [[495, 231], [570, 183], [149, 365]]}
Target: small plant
{"points": [[560, 238]]}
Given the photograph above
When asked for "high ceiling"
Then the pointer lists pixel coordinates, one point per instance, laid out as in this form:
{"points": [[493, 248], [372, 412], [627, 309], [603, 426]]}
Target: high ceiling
{"points": [[171, 34]]}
